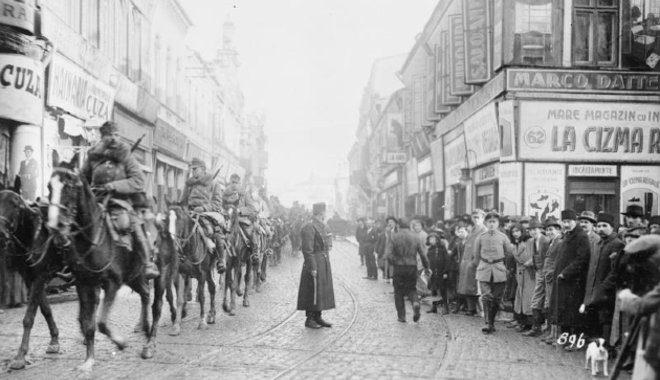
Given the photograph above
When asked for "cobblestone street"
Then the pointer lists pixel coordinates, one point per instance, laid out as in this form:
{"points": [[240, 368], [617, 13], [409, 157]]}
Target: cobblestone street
{"points": [[268, 340]]}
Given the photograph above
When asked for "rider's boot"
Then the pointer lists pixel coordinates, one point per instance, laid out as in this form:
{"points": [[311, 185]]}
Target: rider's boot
{"points": [[220, 265], [150, 269]]}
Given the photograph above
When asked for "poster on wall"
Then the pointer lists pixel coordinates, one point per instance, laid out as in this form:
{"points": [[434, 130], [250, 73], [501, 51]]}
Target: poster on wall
{"points": [[454, 160], [640, 185], [482, 136], [26, 160], [505, 119], [510, 176], [544, 190]]}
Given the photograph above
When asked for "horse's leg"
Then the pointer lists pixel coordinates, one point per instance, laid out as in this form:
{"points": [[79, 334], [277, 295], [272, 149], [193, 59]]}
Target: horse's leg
{"points": [[89, 299], [139, 325], [227, 288], [36, 295], [180, 299], [47, 312], [248, 275], [111, 288], [258, 270], [210, 318], [201, 284], [264, 267], [169, 294], [159, 289]]}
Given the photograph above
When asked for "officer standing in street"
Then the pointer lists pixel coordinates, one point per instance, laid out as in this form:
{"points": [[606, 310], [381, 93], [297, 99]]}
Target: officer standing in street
{"points": [[316, 292]]}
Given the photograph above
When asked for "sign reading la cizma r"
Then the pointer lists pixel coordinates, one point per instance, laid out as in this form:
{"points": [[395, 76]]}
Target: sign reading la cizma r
{"points": [[583, 81]]}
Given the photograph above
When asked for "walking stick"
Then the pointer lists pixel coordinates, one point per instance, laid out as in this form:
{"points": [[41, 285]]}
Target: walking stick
{"points": [[315, 286], [627, 347]]}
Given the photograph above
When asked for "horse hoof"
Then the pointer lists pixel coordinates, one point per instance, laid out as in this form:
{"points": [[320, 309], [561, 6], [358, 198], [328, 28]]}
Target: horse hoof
{"points": [[246, 303], [53, 349], [138, 328], [258, 289], [210, 319], [86, 367], [147, 352], [202, 325], [232, 313], [239, 293], [17, 364], [120, 343], [176, 330], [225, 308]]}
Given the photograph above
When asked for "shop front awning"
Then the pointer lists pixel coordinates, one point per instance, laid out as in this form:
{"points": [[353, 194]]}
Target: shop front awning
{"points": [[171, 161]]}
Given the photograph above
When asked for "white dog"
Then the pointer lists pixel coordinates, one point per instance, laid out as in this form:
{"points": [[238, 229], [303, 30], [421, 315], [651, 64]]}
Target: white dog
{"points": [[596, 353]]}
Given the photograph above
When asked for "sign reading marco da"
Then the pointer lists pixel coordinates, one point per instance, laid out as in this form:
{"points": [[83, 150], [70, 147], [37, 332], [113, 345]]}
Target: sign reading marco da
{"points": [[591, 81]]}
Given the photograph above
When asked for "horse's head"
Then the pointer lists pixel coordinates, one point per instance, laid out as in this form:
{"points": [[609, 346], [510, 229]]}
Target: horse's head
{"points": [[177, 219], [66, 188]]}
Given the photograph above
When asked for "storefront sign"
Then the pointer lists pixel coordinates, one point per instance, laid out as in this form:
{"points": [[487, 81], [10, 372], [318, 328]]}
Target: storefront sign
{"points": [[498, 17], [640, 185], [506, 119], [482, 136], [133, 130], [411, 177], [510, 188], [544, 190], [443, 60], [73, 90], [429, 94], [592, 171], [168, 138], [437, 160], [392, 179], [454, 160], [18, 13], [583, 81], [396, 157], [424, 166], [477, 41], [457, 85], [486, 173], [569, 131], [21, 89]]}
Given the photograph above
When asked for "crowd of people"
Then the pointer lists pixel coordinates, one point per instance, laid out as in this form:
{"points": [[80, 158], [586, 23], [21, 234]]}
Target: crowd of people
{"points": [[565, 281]]}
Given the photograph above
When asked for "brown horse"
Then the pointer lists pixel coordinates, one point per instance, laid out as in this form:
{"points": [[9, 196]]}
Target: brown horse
{"points": [[24, 241], [96, 260], [185, 234]]}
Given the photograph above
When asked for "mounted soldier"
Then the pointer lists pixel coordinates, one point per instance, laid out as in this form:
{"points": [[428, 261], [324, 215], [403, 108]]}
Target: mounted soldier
{"points": [[239, 198], [111, 167], [203, 196]]}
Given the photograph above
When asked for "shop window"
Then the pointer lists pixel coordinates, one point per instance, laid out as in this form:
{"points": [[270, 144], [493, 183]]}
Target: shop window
{"points": [[535, 31], [640, 37], [598, 195], [486, 197], [459, 200], [595, 30]]}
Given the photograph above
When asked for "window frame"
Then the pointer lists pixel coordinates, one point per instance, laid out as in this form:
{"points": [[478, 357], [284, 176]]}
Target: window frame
{"points": [[594, 10]]}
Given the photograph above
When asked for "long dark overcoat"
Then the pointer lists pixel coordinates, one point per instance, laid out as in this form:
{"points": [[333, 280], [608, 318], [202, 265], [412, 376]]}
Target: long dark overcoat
{"points": [[572, 263], [315, 246], [467, 280]]}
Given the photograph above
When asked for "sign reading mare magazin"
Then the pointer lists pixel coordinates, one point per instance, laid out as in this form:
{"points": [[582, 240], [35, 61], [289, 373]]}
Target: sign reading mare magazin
{"points": [[588, 132]]}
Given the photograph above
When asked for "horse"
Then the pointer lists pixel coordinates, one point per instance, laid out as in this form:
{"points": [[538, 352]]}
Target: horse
{"points": [[186, 235], [83, 227], [25, 242]]}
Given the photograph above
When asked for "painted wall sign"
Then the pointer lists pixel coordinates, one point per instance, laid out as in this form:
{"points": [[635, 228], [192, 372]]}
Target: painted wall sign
{"points": [[454, 160], [592, 171], [583, 81], [429, 93], [18, 13], [446, 98], [21, 89], [640, 185], [477, 41], [498, 29], [73, 90], [457, 85], [486, 173], [506, 120], [395, 157], [437, 159], [567, 131], [168, 138], [439, 80], [544, 190], [482, 136], [424, 166], [510, 188]]}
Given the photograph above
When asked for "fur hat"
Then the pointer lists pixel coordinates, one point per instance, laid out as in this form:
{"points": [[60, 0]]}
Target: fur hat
{"points": [[604, 217], [318, 208], [588, 215], [568, 214], [634, 211], [108, 127]]}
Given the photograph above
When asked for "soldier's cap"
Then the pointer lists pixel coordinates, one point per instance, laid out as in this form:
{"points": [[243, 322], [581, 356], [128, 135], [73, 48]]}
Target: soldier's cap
{"points": [[568, 215], [634, 211], [28, 147], [236, 177], [197, 163], [525, 219], [478, 212], [108, 128], [318, 208], [588, 215], [655, 219], [604, 217], [492, 215], [636, 232]]}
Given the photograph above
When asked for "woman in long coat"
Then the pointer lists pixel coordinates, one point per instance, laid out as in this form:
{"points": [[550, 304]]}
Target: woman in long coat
{"points": [[523, 253], [467, 281]]}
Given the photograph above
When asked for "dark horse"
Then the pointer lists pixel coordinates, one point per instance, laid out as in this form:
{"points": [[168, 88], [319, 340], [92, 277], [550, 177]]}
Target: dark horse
{"points": [[96, 260], [239, 254], [185, 235], [24, 241]]}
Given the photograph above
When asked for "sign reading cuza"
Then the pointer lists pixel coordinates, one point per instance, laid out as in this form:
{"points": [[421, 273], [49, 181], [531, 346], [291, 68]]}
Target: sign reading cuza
{"points": [[21, 89], [583, 131], [583, 81], [73, 90], [18, 13]]}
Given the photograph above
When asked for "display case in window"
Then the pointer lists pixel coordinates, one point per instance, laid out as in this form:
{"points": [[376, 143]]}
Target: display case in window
{"points": [[640, 37]]}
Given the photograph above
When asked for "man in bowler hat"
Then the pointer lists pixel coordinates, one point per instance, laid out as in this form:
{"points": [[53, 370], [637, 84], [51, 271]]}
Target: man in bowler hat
{"points": [[29, 172], [316, 292]]}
